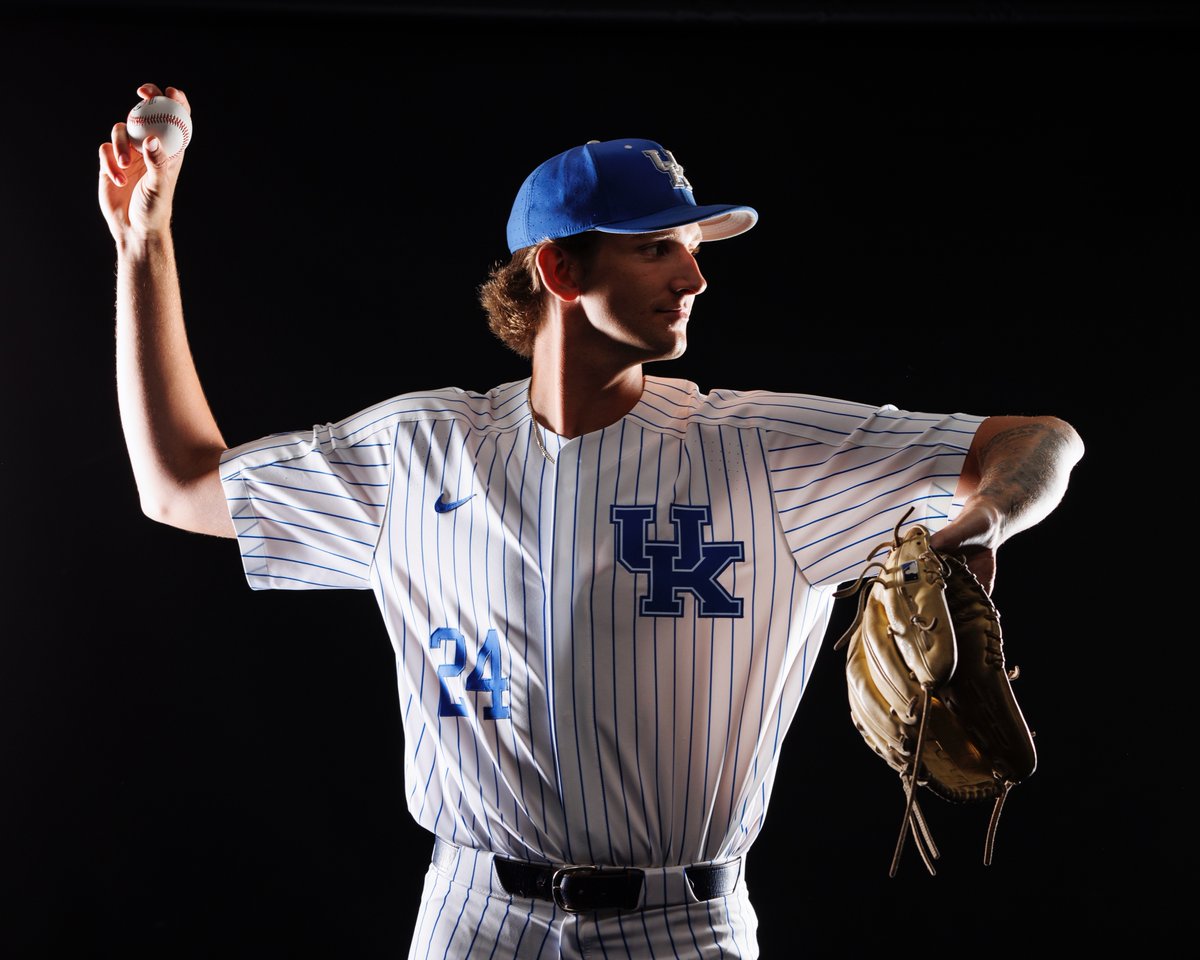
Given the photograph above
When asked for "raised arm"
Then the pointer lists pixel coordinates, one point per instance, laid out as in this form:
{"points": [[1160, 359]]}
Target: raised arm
{"points": [[1014, 475], [174, 443]]}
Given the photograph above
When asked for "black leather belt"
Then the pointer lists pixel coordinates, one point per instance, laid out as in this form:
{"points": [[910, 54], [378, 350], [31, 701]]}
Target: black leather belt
{"points": [[578, 889]]}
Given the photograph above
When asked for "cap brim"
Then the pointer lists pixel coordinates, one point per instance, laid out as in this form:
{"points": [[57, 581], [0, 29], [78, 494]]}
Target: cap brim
{"points": [[716, 221]]}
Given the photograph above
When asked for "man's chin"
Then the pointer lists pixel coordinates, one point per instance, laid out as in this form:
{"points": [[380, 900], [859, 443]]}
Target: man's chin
{"points": [[673, 352]]}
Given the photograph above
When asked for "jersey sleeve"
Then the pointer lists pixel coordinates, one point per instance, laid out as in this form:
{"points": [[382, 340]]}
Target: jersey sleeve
{"points": [[308, 507], [844, 480]]}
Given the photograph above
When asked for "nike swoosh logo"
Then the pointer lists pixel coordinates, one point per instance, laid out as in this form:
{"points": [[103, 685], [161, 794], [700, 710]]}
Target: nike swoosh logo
{"points": [[441, 506]]}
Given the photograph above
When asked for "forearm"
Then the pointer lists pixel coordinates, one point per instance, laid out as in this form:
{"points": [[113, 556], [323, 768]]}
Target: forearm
{"points": [[1024, 468], [173, 440]]}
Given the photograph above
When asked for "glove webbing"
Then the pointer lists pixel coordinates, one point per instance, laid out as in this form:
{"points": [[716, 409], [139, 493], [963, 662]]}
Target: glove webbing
{"points": [[914, 818], [913, 815]]}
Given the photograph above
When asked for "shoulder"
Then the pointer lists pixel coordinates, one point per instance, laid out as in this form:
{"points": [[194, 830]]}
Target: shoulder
{"points": [[499, 409], [818, 418], [806, 417]]}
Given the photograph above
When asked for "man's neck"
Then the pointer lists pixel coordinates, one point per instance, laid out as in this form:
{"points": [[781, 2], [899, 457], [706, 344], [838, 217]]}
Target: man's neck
{"points": [[572, 398]]}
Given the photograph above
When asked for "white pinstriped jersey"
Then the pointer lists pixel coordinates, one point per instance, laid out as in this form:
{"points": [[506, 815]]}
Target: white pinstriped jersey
{"points": [[597, 658]]}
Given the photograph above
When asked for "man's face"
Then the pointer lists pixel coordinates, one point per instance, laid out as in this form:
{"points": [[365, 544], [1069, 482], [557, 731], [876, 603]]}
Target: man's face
{"points": [[639, 288]]}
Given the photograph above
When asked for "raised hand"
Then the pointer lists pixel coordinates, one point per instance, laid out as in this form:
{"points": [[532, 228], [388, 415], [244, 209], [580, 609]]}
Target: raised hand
{"points": [[137, 186]]}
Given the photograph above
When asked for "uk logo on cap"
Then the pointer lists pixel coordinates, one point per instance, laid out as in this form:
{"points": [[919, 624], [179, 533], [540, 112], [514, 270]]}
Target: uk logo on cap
{"points": [[671, 167]]}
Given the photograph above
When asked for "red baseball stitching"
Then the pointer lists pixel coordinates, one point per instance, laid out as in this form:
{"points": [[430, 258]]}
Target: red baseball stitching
{"points": [[170, 118]]}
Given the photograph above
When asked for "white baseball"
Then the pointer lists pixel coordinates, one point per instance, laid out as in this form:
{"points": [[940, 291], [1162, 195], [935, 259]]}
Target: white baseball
{"points": [[164, 118]]}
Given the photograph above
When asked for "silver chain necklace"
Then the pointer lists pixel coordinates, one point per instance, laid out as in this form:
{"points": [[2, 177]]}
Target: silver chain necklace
{"points": [[533, 424]]}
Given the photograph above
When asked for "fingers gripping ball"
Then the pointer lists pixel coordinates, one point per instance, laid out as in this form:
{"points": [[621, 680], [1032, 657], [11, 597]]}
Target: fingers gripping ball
{"points": [[164, 118]]}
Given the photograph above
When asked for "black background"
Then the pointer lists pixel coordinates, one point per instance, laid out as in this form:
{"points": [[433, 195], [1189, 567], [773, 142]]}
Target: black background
{"points": [[989, 211]]}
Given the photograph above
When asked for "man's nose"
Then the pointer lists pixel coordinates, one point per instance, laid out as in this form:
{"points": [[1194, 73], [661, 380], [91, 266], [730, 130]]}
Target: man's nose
{"points": [[691, 280]]}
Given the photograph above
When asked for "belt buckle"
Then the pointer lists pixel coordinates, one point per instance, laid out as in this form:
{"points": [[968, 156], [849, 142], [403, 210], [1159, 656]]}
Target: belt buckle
{"points": [[556, 882]]}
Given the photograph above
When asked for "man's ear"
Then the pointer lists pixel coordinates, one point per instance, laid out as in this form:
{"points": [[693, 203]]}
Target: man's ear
{"points": [[559, 272]]}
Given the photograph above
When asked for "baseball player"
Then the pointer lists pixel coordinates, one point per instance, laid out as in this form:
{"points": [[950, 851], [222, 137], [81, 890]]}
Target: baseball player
{"points": [[605, 589]]}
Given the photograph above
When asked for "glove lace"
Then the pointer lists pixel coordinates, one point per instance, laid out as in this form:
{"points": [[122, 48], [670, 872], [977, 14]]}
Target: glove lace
{"points": [[914, 819]]}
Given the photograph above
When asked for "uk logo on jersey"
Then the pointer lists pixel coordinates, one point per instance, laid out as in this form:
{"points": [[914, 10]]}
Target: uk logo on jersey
{"points": [[684, 564]]}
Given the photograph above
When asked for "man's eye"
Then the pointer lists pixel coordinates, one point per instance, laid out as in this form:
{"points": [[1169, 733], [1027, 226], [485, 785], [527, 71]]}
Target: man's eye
{"points": [[663, 248]]}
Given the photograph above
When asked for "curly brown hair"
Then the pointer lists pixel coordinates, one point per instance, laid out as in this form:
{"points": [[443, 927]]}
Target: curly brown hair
{"points": [[513, 295]]}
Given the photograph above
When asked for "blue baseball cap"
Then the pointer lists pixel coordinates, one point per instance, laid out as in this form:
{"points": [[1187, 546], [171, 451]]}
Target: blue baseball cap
{"points": [[615, 186]]}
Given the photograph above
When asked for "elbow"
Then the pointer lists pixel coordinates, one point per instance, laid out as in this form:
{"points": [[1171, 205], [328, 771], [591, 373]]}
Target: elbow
{"points": [[160, 491], [1050, 440], [161, 507], [197, 506], [1071, 441], [188, 499], [186, 514]]}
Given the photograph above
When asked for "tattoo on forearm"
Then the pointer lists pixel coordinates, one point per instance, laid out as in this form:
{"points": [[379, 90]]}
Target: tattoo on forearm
{"points": [[1022, 467]]}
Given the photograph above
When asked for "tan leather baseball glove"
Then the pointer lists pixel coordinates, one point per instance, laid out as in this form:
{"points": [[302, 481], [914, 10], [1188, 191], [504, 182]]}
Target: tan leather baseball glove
{"points": [[928, 687]]}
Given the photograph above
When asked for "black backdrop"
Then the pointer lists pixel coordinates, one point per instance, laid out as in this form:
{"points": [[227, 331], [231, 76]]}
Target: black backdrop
{"points": [[987, 213]]}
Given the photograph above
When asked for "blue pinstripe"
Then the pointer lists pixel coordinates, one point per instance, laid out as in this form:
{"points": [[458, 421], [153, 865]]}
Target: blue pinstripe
{"points": [[687, 783], [403, 645], [319, 513], [498, 669], [633, 650], [737, 751], [482, 623], [504, 646], [845, 452], [762, 703], [860, 539], [319, 493], [779, 716], [654, 627], [702, 844], [302, 526], [499, 930], [907, 468], [437, 919], [339, 556], [455, 617], [828, 516], [587, 832], [592, 631], [290, 468], [305, 563], [439, 744], [424, 498], [540, 848], [876, 534], [454, 930], [548, 616], [687, 780], [637, 722]]}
